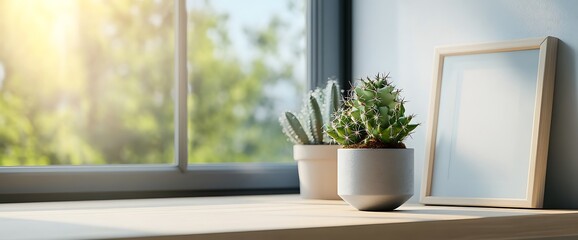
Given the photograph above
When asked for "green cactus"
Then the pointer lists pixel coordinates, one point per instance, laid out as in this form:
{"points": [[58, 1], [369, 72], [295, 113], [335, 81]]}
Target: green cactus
{"points": [[294, 129], [315, 120], [308, 126], [372, 117], [332, 104]]}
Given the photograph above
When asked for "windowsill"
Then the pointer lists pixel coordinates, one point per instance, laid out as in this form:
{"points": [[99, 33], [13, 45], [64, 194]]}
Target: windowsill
{"points": [[271, 217]]}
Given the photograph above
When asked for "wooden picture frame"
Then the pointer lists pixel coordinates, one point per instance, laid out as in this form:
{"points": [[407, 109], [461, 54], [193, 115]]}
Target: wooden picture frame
{"points": [[489, 124]]}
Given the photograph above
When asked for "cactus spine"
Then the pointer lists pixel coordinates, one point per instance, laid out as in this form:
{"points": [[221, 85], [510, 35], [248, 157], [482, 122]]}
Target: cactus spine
{"points": [[307, 127]]}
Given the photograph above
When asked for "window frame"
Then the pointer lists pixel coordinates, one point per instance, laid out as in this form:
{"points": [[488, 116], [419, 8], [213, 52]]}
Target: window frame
{"points": [[328, 24]]}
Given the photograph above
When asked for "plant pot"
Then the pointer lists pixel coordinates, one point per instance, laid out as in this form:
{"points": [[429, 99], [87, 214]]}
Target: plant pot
{"points": [[317, 165], [375, 179]]}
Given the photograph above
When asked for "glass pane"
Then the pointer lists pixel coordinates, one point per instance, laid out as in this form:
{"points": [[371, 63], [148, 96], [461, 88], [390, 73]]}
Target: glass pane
{"points": [[246, 63], [86, 82]]}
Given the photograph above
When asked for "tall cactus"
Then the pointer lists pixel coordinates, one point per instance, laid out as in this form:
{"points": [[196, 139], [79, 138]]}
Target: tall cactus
{"points": [[373, 117], [333, 103], [308, 126]]}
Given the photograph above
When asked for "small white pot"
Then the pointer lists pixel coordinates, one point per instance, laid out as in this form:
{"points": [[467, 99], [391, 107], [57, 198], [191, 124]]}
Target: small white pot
{"points": [[375, 179], [317, 166]]}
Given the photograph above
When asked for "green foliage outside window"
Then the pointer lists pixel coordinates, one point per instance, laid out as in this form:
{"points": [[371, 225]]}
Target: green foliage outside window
{"points": [[91, 82]]}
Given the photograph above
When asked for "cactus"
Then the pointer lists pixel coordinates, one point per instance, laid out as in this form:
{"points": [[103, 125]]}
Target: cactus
{"points": [[315, 120], [307, 127], [295, 130], [372, 117]]}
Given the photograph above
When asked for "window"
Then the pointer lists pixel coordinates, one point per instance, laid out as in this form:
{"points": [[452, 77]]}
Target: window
{"points": [[86, 82], [140, 96], [246, 66]]}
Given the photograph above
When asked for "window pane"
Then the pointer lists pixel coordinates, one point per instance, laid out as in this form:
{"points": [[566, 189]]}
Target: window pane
{"points": [[86, 82], [246, 63]]}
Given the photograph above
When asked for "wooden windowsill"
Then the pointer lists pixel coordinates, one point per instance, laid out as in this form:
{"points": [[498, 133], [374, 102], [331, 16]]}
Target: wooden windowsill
{"points": [[272, 217]]}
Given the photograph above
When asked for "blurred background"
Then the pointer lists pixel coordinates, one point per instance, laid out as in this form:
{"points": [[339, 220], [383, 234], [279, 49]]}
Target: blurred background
{"points": [[90, 82]]}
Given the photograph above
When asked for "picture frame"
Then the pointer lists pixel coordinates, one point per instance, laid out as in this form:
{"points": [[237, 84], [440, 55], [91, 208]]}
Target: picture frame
{"points": [[489, 124]]}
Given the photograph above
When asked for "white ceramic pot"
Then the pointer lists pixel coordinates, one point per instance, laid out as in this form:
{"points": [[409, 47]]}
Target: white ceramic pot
{"points": [[317, 166], [375, 179]]}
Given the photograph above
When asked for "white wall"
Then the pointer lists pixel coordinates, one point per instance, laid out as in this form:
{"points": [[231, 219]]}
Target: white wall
{"points": [[400, 36]]}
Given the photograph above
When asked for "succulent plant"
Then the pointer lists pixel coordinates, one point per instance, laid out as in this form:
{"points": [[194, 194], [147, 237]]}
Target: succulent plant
{"points": [[307, 127], [372, 117]]}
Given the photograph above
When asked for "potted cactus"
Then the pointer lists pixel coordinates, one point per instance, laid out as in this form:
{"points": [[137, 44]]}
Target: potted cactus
{"points": [[375, 169], [314, 151]]}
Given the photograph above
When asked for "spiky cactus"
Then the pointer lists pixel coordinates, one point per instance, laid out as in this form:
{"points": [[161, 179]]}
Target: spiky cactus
{"points": [[372, 117], [307, 127]]}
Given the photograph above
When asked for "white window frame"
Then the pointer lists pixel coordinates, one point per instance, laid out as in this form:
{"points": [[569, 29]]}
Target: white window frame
{"points": [[32, 183]]}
